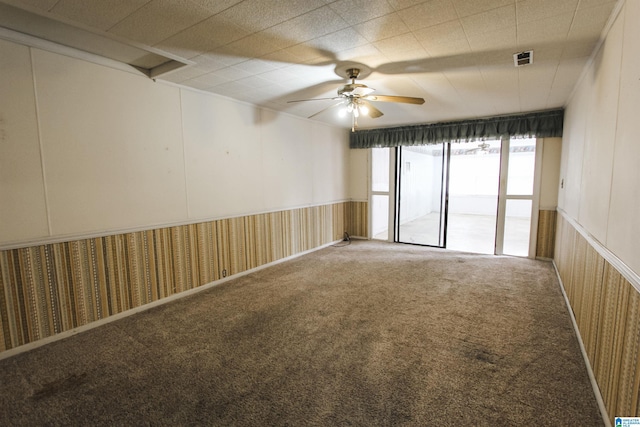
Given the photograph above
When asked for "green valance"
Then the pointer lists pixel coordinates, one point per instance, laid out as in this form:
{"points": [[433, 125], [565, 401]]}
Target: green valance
{"points": [[545, 124]]}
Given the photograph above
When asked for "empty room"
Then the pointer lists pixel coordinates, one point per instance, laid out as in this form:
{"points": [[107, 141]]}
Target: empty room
{"points": [[317, 212]]}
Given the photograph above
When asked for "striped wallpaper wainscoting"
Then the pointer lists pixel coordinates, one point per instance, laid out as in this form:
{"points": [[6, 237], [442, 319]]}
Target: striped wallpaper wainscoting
{"points": [[357, 220], [546, 233], [607, 311], [51, 288]]}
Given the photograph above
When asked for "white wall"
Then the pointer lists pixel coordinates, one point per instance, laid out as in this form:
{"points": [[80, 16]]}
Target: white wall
{"points": [[22, 194], [359, 173], [88, 149], [601, 149]]}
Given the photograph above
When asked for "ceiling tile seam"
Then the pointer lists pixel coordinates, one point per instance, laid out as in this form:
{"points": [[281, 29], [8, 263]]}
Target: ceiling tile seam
{"points": [[466, 36], [179, 32], [403, 22], [373, 19], [452, 85], [223, 10], [54, 6], [108, 30], [413, 32], [260, 73], [432, 55], [398, 9], [517, 32], [519, 70], [212, 14], [487, 10], [573, 20], [392, 37], [258, 32], [410, 6], [555, 75], [291, 19], [303, 41], [333, 33], [457, 12], [481, 12], [484, 83], [266, 55]]}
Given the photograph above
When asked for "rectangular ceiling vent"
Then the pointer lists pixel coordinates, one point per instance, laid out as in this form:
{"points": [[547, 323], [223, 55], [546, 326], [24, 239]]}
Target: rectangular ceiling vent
{"points": [[523, 58]]}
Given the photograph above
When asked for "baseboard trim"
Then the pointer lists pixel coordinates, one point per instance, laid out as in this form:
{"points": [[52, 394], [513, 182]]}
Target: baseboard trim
{"points": [[592, 378], [75, 331]]}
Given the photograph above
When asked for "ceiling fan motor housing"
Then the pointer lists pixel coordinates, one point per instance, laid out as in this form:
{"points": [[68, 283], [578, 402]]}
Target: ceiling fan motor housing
{"points": [[353, 88], [353, 73]]}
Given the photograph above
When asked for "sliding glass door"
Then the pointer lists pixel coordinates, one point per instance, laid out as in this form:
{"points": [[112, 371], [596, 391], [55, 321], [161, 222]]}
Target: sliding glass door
{"points": [[421, 201], [474, 197]]}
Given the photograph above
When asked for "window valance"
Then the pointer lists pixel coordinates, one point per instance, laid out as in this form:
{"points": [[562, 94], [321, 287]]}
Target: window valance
{"points": [[545, 124]]}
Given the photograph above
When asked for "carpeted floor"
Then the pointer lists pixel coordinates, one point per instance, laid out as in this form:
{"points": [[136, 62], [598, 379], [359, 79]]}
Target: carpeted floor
{"points": [[371, 334]]}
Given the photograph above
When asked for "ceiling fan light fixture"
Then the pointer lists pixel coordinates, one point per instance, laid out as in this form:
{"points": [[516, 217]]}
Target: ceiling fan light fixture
{"points": [[364, 110]]}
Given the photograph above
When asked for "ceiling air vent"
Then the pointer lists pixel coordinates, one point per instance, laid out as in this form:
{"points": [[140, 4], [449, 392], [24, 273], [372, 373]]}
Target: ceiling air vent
{"points": [[523, 58]]}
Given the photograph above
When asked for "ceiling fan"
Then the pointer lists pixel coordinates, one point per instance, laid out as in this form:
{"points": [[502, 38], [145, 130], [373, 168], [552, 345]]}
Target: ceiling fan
{"points": [[483, 148], [356, 99]]}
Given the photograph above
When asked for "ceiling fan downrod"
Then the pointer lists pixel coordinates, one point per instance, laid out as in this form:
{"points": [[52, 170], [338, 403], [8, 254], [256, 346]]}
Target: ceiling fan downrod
{"points": [[353, 74]]}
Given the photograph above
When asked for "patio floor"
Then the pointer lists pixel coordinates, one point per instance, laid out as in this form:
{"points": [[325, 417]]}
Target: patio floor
{"points": [[468, 233]]}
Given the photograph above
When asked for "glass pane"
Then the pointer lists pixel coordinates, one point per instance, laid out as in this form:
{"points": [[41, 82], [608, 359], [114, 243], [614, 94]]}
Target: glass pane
{"points": [[474, 179], [522, 161], [517, 225], [421, 201], [380, 169], [380, 217]]}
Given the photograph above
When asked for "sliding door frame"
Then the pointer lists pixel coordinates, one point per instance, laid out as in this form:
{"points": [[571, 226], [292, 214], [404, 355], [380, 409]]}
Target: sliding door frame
{"points": [[443, 198], [503, 196], [395, 157], [391, 193]]}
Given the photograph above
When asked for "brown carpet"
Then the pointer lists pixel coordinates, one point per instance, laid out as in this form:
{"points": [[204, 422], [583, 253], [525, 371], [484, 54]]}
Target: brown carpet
{"points": [[371, 334]]}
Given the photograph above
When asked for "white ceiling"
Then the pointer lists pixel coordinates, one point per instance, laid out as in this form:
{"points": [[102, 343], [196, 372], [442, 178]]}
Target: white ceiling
{"points": [[456, 54]]}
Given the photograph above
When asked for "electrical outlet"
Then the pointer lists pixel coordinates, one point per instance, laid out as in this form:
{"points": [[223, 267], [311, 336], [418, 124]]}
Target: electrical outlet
{"points": [[224, 273]]}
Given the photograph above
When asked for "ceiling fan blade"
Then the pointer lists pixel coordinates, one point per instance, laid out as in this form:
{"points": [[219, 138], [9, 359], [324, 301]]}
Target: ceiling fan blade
{"points": [[392, 98], [325, 109], [312, 99], [374, 113]]}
